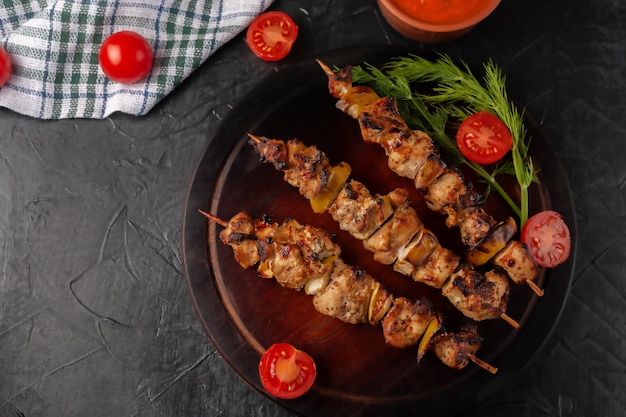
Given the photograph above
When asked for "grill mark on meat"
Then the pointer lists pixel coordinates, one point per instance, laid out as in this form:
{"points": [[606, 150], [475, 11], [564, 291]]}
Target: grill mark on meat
{"points": [[350, 193]]}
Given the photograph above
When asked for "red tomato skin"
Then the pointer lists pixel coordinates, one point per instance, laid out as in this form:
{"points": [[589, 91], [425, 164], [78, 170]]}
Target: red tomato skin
{"points": [[483, 138], [126, 57], [286, 390], [548, 238], [280, 28], [5, 66]]}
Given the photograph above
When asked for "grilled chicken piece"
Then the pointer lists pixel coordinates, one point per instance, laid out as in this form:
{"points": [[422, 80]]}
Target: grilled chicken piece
{"points": [[289, 267], [312, 166], [406, 322], [347, 296], [411, 153], [404, 157], [478, 296], [437, 268], [264, 229], [313, 253], [457, 349], [387, 241], [382, 123], [304, 167], [240, 235], [416, 158], [517, 261], [316, 244], [451, 196], [240, 227], [360, 213], [475, 225], [271, 151]]}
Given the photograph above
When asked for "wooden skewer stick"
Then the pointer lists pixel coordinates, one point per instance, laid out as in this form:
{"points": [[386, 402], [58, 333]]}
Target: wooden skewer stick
{"points": [[535, 288], [213, 218], [255, 138], [324, 67], [509, 320], [482, 363]]}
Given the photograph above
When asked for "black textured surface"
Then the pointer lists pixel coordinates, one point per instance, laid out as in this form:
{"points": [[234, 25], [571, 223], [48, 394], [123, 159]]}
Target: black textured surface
{"points": [[95, 318]]}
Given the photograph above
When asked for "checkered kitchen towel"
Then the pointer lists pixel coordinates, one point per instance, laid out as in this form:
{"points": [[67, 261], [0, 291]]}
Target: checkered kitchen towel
{"points": [[54, 47]]}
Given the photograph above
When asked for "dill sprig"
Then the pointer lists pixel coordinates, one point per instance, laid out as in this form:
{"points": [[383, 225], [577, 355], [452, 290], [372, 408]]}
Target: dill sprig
{"points": [[437, 95]]}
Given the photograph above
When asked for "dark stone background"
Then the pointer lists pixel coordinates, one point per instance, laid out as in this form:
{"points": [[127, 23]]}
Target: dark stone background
{"points": [[95, 318]]}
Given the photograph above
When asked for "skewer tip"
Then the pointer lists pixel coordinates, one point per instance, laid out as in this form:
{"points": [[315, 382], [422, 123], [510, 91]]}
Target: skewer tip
{"points": [[324, 67], [483, 364], [535, 288], [254, 138], [509, 320], [213, 218]]}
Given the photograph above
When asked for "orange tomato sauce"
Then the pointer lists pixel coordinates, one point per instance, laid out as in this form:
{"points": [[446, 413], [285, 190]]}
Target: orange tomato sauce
{"points": [[441, 11]]}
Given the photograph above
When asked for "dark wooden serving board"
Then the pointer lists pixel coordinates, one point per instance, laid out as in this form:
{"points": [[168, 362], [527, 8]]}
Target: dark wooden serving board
{"points": [[357, 372]]}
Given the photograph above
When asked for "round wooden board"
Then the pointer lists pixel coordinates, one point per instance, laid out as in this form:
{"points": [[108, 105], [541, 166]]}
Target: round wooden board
{"points": [[358, 374]]}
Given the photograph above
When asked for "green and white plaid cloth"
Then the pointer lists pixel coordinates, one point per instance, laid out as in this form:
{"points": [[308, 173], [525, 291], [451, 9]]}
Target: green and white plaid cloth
{"points": [[54, 47]]}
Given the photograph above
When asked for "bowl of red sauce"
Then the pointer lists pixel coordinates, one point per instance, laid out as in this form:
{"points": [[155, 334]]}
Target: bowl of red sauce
{"points": [[435, 21]]}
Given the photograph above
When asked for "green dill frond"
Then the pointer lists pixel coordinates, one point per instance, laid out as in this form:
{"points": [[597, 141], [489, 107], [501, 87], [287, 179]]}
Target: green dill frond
{"points": [[435, 96]]}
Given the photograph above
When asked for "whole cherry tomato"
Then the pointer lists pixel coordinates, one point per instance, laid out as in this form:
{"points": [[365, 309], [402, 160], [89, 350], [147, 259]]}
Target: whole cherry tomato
{"points": [[125, 57], [5, 66], [483, 138], [286, 372], [548, 238], [271, 35]]}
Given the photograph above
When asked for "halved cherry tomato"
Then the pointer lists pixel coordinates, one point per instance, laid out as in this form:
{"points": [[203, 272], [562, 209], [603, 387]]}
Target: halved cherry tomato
{"points": [[286, 372], [483, 138], [548, 238], [271, 35], [5, 66], [125, 57]]}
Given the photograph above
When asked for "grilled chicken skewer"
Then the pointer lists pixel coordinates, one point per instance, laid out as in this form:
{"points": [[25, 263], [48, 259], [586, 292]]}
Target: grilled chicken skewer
{"points": [[412, 154], [305, 257], [389, 228]]}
